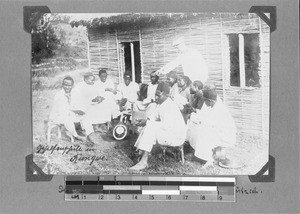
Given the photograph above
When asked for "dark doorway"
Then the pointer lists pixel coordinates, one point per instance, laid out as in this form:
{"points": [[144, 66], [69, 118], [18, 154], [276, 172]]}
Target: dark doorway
{"points": [[137, 59]]}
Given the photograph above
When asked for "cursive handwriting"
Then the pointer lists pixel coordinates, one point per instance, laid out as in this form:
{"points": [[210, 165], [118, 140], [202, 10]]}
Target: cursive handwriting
{"points": [[80, 157], [41, 149], [249, 191]]}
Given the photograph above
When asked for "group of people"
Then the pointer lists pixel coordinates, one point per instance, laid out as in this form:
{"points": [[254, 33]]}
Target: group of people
{"points": [[185, 108]]}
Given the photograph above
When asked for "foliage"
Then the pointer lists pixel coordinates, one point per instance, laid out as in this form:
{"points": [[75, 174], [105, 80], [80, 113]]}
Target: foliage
{"points": [[44, 40]]}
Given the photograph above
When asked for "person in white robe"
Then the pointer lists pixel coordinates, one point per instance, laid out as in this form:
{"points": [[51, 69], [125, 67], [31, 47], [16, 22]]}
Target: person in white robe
{"points": [[91, 104], [192, 62], [211, 127], [62, 109], [165, 126]]}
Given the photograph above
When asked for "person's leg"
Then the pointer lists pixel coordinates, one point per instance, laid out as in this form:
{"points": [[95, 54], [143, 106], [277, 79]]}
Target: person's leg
{"points": [[145, 142], [71, 131]]}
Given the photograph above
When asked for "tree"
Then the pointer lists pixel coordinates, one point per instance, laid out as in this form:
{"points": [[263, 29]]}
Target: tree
{"points": [[43, 40]]}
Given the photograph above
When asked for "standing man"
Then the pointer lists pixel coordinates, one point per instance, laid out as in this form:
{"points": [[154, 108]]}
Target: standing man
{"points": [[211, 127], [191, 60], [165, 126], [61, 112]]}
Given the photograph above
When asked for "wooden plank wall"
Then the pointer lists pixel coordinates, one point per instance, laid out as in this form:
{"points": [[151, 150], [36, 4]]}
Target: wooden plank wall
{"points": [[250, 108]]}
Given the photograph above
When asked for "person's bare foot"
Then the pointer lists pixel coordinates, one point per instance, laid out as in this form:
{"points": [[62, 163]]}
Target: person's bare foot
{"points": [[81, 138], [208, 164], [139, 166]]}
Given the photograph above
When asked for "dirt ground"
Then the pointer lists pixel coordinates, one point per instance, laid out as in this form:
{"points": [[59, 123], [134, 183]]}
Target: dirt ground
{"points": [[109, 156]]}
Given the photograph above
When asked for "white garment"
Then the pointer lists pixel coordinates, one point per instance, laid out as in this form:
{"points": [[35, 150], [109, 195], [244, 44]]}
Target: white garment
{"points": [[177, 97], [95, 113], [101, 86], [111, 97], [193, 65], [150, 93], [165, 126], [61, 111], [129, 92], [210, 128]]}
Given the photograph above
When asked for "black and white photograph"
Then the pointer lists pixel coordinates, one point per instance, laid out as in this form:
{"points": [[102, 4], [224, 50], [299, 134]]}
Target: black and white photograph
{"points": [[150, 93]]}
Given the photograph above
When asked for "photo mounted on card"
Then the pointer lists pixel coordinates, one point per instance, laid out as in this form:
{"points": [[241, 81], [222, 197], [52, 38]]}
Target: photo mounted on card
{"points": [[150, 93]]}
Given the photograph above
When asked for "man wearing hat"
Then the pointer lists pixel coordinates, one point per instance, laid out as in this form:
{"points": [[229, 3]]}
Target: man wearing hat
{"points": [[192, 61], [165, 126], [211, 127]]}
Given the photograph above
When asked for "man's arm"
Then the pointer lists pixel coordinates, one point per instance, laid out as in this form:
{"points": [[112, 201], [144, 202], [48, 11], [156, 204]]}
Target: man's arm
{"points": [[169, 67]]}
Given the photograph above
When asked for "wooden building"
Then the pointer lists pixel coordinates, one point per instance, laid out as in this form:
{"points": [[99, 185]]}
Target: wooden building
{"points": [[235, 46]]}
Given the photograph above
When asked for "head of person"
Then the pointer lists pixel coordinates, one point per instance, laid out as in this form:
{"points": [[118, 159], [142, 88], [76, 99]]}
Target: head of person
{"points": [[162, 92], [196, 86], [171, 78], [67, 84], [154, 78], [89, 78], [184, 81], [102, 75], [209, 94], [127, 78], [179, 44]]}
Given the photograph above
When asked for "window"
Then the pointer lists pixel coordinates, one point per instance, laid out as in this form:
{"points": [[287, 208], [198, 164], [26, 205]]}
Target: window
{"points": [[244, 60]]}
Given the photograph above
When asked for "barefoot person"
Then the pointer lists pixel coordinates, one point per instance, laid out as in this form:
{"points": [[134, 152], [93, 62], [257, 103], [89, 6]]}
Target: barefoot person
{"points": [[211, 127], [61, 112], [165, 126]]}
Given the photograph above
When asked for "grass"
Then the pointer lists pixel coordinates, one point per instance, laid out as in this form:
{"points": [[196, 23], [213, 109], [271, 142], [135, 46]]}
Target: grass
{"points": [[120, 155]]}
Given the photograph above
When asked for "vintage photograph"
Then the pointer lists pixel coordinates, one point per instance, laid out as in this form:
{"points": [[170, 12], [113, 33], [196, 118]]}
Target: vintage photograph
{"points": [[150, 93]]}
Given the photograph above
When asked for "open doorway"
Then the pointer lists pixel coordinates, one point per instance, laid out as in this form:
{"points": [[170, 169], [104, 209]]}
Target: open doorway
{"points": [[132, 57]]}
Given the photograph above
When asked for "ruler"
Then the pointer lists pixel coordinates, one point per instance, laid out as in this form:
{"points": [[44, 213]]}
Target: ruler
{"points": [[150, 188]]}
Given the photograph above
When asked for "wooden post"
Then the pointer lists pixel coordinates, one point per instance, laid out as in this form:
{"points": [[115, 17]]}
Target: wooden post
{"points": [[118, 56], [88, 50], [132, 61], [242, 61], [141, 57]]}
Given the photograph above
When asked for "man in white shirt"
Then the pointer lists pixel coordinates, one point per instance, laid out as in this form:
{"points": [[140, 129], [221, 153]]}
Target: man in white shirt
{"points": [[61, 112], [127, 92], [165, 126], [106, 88], [211, 127], [192, 61]]}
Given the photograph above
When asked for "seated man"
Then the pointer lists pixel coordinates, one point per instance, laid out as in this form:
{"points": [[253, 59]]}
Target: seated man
{"points": [[184, 83], [172, 80], [148, 104], [106, 88], [197, 100], [61, 112], [165, 126], [211, 127], [127, 92], [92, 104]]}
